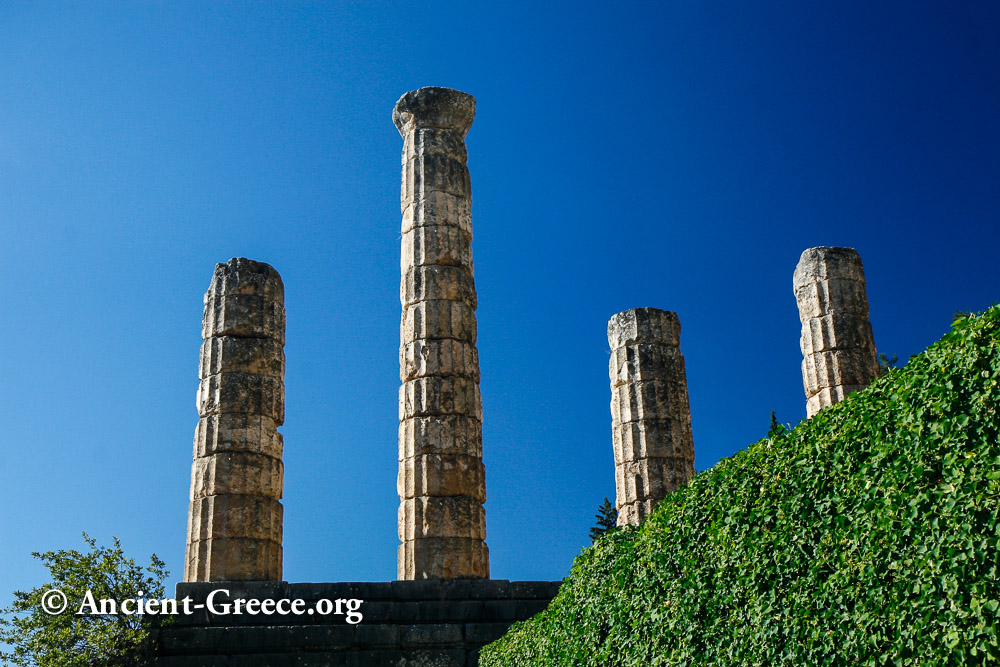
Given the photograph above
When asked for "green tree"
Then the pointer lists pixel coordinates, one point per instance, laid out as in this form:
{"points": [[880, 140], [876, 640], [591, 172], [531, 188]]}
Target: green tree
{"points": [[68, 638], [776, 427], [607, 519], [886, 363]]}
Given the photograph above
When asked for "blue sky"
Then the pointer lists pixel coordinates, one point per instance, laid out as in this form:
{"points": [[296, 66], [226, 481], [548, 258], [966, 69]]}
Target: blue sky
{"points": [[679, 155]]}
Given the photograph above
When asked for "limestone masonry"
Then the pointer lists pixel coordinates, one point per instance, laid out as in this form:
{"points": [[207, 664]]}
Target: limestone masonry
{"points": [[650, 415], [235, 517], [441, 482], [838, 347]]}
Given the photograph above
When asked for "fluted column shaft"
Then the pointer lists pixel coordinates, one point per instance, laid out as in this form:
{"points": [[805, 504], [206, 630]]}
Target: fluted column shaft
{"points": [[650, 413], [441, 482], [838, 348], [235, 517]]}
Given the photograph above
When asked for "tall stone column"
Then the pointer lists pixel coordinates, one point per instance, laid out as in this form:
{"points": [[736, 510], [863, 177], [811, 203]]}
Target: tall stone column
{"points": [[650, 413], [838, 348], [235, 518], [441, 482]]}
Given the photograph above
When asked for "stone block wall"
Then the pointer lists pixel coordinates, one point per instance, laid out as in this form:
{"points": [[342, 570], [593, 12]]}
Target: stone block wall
{"points": [[424, 622]]}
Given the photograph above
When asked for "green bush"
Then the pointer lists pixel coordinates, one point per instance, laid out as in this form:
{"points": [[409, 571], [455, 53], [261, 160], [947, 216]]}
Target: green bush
{"points": [[867, 535]]}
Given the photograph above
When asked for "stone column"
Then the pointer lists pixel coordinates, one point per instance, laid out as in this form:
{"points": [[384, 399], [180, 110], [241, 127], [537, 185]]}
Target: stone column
{"points": [[235, 519], [650, 414], [838, 349], [441, 482]]}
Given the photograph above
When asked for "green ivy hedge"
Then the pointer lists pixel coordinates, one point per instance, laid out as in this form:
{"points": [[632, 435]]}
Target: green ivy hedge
{"points": [[868, 535]]}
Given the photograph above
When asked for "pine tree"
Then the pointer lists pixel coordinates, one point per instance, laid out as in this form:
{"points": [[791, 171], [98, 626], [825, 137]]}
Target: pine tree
{"points": [[776, 427], [886, 363], [607, 519]]}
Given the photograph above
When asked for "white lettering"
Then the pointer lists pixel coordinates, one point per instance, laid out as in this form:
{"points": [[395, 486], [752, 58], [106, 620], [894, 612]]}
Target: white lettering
{"points": [[89, 606], [353, 606], [210, 602]]}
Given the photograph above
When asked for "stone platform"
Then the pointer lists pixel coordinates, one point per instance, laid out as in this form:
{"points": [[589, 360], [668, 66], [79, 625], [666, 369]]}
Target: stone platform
{"points": [[429, 622]]}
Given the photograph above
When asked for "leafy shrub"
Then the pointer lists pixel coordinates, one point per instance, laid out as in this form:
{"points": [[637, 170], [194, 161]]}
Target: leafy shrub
{"points": [[867, 535]]}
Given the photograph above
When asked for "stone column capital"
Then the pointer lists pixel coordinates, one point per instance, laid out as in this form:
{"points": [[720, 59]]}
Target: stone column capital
{"points": [[433, 107], [644, 325], [827, 263], [245, 276]]}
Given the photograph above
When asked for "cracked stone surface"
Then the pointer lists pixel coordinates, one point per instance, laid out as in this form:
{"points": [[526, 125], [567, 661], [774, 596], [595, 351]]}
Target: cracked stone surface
{"points": [[838, 347], [441, 481], [650, 414], [235, 516]]}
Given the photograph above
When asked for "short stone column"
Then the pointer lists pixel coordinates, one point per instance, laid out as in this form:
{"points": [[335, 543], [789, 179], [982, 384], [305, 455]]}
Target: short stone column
{"points": [[441, 482], [650, 413], [838, 348], [235, 518]]}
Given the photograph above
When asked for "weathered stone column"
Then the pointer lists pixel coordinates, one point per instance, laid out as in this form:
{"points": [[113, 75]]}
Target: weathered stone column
{"points": [[650, 413], [838, 348], [441, 483], [235, 520]]}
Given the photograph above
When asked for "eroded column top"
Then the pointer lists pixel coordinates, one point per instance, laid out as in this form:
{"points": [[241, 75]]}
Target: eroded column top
{"points": [[248, 277], [433, 107], [644, 325], [828, 263]]}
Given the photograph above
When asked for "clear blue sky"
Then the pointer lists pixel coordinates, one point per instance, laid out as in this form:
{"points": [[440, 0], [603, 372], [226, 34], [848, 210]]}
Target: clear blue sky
{"points": [[679, 155]]}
